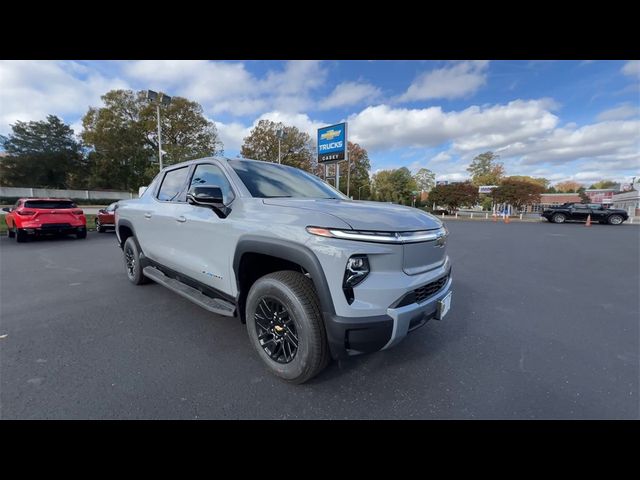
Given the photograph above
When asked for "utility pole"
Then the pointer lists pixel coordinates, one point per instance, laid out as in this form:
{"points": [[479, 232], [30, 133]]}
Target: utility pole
{"points": [[281, 134], [159, 137], [166, 101]]}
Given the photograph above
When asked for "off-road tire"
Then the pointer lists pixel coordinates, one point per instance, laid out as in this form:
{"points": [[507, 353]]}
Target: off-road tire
{"points": [[296, 292], [134, 274]]}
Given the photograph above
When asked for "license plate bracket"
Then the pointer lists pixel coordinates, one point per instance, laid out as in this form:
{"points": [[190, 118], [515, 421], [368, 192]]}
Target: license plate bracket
{"points": [[444, 306]]}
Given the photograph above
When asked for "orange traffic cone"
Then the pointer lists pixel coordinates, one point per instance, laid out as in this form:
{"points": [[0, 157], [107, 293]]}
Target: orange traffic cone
{"points": [[588, 224], [495, 217], [506, 218]]}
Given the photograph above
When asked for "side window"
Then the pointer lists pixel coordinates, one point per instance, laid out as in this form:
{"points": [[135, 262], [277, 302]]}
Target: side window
{"points": [[207, 174], [595, 206], [172, 185]]}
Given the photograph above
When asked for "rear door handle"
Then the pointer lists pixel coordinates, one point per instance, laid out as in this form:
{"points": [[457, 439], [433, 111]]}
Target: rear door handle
{"points": [[147, 215], [181, 219]]}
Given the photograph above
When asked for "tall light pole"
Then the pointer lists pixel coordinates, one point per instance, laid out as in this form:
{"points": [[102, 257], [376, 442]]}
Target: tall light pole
{"points": [[166, 101], [281, 134], [361, 186]]}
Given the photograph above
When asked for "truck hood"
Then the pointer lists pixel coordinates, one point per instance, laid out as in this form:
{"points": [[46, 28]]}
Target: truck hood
{"points": [[361, 215]]}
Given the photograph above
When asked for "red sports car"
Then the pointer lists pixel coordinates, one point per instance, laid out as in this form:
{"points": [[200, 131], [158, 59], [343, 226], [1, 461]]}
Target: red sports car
{"points": [[38, 216], [106, 218]]}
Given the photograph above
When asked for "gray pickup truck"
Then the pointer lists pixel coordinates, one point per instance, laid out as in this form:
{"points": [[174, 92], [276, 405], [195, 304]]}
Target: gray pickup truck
{"points": [[313, 274]]}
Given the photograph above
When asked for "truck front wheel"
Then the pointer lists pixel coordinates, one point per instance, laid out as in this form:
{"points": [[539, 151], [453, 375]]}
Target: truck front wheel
{"points": [[285, 326]]}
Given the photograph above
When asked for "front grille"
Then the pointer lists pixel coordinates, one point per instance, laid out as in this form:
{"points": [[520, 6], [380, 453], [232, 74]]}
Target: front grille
{"points": [[422, 293], [429, 289]]}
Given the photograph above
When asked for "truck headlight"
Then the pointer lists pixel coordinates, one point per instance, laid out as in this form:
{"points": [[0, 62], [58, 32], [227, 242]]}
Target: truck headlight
{"points": [[356, 271]]}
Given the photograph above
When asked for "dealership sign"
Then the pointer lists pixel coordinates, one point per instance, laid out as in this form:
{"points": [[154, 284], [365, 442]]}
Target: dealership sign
{"points": [[332, 143], [486, 188]]}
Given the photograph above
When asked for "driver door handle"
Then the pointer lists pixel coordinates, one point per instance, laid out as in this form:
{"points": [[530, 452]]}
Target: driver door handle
{"points": [[181, 219], [147, 215]]}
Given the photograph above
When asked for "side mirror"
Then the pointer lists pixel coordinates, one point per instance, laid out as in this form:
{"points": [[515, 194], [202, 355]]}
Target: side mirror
{"points": [[102, 210], [7, 209], [208, 196]]}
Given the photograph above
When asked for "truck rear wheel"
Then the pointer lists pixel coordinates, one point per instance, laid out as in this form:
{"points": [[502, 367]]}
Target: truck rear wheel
{"points": [[132, 262], [285, 326], [558, 218]]}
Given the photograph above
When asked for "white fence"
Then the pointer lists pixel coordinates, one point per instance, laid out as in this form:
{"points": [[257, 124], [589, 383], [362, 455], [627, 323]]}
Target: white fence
{"points": [[77, 194]]}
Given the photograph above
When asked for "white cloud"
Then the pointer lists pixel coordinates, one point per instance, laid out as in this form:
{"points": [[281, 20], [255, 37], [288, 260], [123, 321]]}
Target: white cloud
{"points": [[632, 67], [621, 112], [31, 90], [228, 86], [441, 157], [453, 81], [233, 134], [350, 93], [617, 140], [491, 127]]}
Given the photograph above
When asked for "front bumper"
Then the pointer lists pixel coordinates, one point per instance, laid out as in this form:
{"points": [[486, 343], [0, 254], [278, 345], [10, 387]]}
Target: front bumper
{"points": [[347, 337]]}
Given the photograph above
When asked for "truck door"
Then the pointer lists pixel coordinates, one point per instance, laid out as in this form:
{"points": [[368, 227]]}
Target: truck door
{"points": [[206, 241], [160, 219], [580, 212], [598, 213]]}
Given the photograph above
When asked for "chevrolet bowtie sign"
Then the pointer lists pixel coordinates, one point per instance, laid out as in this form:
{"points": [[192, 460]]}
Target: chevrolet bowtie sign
{"points": [[332, 143]]}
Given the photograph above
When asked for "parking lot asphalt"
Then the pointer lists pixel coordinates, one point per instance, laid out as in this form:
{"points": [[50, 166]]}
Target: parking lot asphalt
{"points": [[544, 325]]}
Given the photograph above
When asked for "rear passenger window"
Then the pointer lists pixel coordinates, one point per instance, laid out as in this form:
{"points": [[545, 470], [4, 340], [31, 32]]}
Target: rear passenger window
{"points": [[173, 184], [212, 175]]}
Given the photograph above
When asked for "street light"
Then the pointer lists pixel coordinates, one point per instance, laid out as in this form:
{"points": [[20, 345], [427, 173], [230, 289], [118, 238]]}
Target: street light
{"points": [[361, 186], [281, 134], [166, 101]]}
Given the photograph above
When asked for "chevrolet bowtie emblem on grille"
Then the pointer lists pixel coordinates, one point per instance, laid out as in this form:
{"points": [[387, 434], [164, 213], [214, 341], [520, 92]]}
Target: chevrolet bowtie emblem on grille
{"points": [[330, 134]]}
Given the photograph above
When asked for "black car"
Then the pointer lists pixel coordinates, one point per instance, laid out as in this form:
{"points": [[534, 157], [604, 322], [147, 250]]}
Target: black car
{"points": [[581, 211]]}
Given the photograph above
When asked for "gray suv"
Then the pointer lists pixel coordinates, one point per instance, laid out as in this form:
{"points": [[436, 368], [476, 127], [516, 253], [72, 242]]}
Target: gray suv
{"points": [[313, 274]]}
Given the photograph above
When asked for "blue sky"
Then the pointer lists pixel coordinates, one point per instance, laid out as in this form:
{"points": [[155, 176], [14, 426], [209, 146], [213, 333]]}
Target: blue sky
{"points": [[577, 120]]}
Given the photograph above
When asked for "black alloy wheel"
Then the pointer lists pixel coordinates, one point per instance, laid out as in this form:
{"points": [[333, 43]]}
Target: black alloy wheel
{"points": [[276, 330]]}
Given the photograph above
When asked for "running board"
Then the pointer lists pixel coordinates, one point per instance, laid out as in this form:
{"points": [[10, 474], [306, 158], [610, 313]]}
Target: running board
{"points": [[214, 305]]}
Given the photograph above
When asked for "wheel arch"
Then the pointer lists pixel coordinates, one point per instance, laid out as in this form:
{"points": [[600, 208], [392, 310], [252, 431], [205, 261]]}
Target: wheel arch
{"points": [[124, 230], [279, 253]]}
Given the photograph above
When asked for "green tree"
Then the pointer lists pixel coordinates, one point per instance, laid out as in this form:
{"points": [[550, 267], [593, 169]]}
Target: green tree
{"points": [[123, 139], [454, 195], [518, 193], [360, 166], [425, 179], [296, 147], [568, 187], [604, 184], [394, 186], [485, 170], [543, 182], [584, 198], [41, 154]]}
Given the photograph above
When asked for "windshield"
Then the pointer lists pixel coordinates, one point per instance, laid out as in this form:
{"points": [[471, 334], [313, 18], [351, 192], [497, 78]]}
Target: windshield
{"points": [[49, 204], [269, 180]]}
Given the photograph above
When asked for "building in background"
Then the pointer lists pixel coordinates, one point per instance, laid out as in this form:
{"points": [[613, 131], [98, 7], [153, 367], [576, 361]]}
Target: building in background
{"points": [[602, 195], [552, 200], [629, 201]]}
